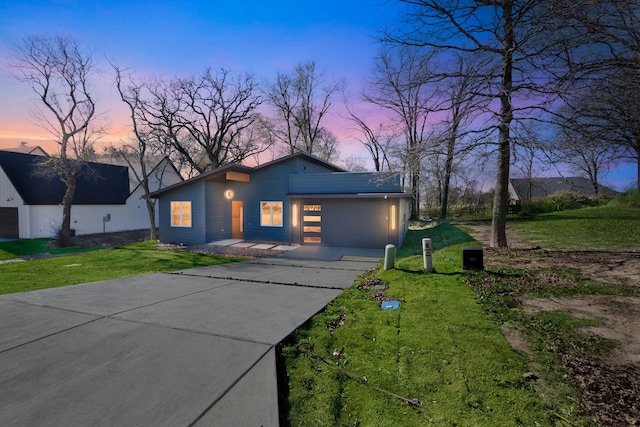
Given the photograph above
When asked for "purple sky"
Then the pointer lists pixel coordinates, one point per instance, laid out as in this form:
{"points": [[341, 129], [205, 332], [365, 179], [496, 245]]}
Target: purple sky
{"points": [[185, 37]]}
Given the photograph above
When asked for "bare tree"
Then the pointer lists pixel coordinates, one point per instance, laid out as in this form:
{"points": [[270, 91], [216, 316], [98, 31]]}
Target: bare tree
{"points": [[585, 138], [376, 140], [509, 36], [463, 102], [301, 101], [604, 69], [143, 146], [205, 119], [59, 71], [402, 83]]}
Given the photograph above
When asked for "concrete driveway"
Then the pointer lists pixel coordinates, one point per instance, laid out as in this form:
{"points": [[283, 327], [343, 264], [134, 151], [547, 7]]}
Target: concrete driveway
{"points": [[194, 347]]}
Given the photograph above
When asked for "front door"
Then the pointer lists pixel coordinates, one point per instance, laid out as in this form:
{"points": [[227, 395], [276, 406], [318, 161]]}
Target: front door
{"points": [[236, 219]]}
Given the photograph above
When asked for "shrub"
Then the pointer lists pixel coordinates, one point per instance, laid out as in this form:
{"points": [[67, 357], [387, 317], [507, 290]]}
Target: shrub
{"points": [[560, 201], [628, 198]]}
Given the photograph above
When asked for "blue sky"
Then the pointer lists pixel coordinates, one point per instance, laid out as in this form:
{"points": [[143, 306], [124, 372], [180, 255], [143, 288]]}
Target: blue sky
{"points": [[184, 37]]}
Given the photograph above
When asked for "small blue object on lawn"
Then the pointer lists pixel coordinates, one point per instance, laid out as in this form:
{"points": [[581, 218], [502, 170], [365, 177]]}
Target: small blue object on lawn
{"points": [[390, 305]]}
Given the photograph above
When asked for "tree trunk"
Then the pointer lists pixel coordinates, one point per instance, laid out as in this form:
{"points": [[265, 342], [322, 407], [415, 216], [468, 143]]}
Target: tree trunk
{"points": [[447, 172], [638, 170], [153, 230], [415, 190], [501, 196], [64, 238]]}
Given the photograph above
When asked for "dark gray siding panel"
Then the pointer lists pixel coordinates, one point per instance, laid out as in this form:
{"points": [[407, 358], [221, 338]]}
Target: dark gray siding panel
{"points": [[267, 185], [187, 235], [9, 223], [345, 183], [355, 223], [302, 166], [218, 209]]}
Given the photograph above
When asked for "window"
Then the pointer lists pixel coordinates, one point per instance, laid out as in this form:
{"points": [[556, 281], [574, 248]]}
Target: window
{"points": [[181, 214], [271, 214]]}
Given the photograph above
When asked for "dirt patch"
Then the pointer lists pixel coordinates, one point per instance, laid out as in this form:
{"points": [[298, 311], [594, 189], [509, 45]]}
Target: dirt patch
{"points": [[110, 240], [611, 386], [618, 319]]}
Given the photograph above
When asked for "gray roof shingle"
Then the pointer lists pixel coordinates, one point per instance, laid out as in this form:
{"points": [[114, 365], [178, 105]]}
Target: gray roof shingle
{"points": [[38, 184]]}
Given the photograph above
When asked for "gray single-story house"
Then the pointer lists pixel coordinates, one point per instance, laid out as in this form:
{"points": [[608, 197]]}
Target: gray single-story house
{"points": [[298, 199]]}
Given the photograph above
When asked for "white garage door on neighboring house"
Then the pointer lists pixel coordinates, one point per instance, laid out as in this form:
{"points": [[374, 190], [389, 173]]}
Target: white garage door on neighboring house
{"points": [[9, 223]]}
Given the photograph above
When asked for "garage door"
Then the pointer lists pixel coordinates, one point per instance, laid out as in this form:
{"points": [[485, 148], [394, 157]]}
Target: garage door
{"points": [[347, 223], [9, 223]]}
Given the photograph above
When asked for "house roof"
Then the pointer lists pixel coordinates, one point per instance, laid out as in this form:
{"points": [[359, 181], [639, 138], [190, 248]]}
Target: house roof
{"points": [[27, 149], [38, 184], [234, 167], [538, 188]]}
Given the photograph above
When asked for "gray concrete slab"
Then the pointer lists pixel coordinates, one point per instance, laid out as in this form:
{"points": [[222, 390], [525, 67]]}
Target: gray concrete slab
{"points": [[22, 323], [115, 296], [330, 274], [310, 276], [193, 348], [115, 373], [259, 312], [235, 410], [332, 253], [360, 265], [235, 270]]}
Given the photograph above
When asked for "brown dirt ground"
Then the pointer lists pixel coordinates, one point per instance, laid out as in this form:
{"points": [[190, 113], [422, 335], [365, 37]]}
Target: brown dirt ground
{"points": [[611, 386]]}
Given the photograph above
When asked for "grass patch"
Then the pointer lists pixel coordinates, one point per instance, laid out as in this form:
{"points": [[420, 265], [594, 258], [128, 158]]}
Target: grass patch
{"points": [[611, 227], [17, 248], [442, 235], [113, 263], [439, 347]]}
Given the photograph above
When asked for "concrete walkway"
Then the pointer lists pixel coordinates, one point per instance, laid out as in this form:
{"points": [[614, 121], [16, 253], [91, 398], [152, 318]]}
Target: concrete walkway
{"points": [[194, 347]]}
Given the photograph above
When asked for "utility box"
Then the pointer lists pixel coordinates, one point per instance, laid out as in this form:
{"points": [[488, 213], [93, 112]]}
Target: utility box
{"points": [[472, 258]]}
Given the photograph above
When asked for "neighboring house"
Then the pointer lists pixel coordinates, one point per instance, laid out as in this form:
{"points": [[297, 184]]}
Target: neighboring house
{"points": [[31, 196], [25, 148], [298, 199], [522, 189]]}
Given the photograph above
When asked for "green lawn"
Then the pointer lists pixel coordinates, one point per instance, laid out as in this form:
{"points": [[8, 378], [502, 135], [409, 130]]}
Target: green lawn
{"points": [[597, 228], [17, 248], [131, 260], [439, 347]]}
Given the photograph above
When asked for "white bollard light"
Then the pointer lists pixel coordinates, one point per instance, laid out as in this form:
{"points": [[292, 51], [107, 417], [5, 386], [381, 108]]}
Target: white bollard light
{"points": [[426, 254], [389, 257]]}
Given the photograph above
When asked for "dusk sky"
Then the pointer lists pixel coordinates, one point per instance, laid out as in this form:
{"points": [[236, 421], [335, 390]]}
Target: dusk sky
{"points": [[184, 37], [181, 38]]}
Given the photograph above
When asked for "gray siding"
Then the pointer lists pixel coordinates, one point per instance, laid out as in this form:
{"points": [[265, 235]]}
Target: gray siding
{"points": [[187, 235], [267, 185], [354, 223], [218, 217], [345, 183], [348, 221]]}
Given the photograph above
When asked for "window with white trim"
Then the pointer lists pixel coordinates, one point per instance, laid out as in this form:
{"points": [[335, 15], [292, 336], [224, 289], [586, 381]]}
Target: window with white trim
{"points": [[181, 214], [271, 214]]}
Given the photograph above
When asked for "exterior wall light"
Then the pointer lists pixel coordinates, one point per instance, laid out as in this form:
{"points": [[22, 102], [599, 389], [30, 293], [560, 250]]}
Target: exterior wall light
{"points": [[228, 194], [294, 215]]}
